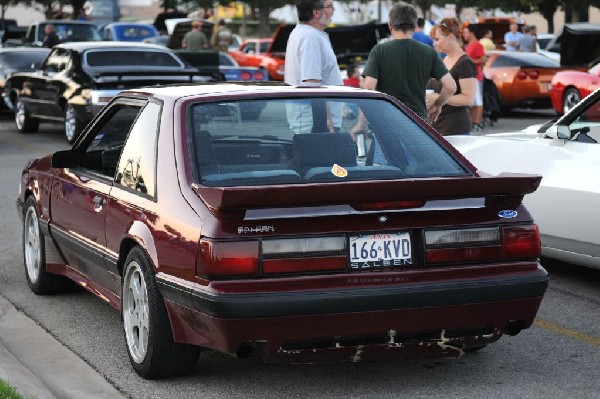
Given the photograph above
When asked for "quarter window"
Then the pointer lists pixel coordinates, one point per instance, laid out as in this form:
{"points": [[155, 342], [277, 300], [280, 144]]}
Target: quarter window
{"points": [[136, 169], [102, 152]]}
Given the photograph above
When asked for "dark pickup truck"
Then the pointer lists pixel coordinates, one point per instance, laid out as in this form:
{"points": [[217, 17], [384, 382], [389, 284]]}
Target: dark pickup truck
{"points": [[10, 30]]}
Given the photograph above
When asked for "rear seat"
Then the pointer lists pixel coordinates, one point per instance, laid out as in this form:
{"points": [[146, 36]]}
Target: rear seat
{"points": [[323, 150]]}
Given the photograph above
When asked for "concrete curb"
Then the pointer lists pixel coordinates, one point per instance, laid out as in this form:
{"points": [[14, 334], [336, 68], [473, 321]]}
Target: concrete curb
{"points": [[40, 367]]}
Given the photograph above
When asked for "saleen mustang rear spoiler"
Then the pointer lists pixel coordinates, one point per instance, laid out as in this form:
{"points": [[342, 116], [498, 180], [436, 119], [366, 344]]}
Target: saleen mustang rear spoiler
{"points": [[506, 188]]}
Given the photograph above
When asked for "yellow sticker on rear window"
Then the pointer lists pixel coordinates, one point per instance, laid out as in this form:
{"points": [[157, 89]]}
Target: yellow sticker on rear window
{"points": [[338, 171]]}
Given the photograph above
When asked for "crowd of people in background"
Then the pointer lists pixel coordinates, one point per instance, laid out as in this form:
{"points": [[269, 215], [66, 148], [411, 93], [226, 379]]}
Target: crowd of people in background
{"points": [[452, 67], [449, 60]]}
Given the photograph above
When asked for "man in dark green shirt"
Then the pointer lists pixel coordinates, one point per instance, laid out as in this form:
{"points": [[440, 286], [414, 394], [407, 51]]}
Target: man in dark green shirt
{"points": [[402, 67]]}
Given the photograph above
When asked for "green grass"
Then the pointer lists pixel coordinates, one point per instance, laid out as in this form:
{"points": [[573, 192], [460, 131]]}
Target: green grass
{"points": [[8, 392]]}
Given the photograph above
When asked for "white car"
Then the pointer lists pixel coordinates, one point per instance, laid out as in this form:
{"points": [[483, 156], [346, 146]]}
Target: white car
{"points": [[546, 46], [567, 154]]}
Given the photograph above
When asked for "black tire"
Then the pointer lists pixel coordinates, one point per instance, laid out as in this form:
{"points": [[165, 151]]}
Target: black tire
{"points": [[73, 126], [24, 122], [34, 255], [148, 335], [571, 97]]}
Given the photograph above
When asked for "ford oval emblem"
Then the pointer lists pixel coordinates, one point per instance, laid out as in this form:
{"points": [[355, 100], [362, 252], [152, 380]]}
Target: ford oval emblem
{"points": [[507, 214]]}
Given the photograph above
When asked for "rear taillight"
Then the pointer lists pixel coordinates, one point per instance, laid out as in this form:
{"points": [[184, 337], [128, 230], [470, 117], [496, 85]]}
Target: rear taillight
{"points": [[534, 74], [293, 255], [259, 75], [289, 255], [521, 241], [245, 75], [522, 75], [482, 244], [228, 258]]}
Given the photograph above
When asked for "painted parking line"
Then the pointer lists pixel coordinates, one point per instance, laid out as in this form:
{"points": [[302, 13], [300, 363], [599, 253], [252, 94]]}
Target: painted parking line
{"points": [[578, 335]]}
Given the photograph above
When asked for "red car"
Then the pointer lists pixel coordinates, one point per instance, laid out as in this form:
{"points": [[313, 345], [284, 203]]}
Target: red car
{"points": [[283, 236], [252, 46], [569, 87], [255, 53], [350, 44]]}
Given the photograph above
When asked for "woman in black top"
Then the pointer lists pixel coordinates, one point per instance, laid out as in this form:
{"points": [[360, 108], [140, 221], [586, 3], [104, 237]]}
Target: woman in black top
{"points": [[455, 117]]}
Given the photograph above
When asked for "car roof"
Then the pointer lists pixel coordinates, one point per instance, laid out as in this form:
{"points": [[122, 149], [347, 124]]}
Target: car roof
{"points": [[174, 92], [516, 54], [82, 46], [128, 24], [258, 39], [66, 22], [24, 50]]}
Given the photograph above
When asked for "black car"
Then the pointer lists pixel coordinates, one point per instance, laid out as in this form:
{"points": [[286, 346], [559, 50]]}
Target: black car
{"points": [[77, 79], [19, 59]]}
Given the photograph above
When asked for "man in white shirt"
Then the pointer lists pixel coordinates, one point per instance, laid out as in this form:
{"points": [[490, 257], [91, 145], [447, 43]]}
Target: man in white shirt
{"points": [[512, 37], [310, 60]]}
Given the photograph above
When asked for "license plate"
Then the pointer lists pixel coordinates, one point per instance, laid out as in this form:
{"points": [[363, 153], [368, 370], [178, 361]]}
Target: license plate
{"points": [[380, 250]]}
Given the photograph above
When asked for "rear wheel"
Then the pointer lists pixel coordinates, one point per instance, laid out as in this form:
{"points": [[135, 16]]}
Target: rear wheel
{"points": [[73, 127], [570, 99], [25, 123], [150, 346]]}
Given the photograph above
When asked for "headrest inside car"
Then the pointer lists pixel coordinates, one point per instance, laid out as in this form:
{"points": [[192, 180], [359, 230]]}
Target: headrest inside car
{"points": [[324, 149]]}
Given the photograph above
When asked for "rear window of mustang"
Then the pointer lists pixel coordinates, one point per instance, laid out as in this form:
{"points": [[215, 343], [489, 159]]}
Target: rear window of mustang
{"points": [[311, 140], [129, 58]]}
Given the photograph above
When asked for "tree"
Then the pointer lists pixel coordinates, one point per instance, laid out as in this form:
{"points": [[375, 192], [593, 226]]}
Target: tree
{"points": [[546, 8], [4, 4], [425, 6]]}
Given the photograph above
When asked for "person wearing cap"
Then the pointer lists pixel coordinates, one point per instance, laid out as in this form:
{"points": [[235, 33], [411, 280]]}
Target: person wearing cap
{"points": [[195, 39], [402, 67]]}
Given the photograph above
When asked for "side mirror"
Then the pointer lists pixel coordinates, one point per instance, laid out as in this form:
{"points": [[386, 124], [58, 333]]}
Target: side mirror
{"points": [[64, 159], [560, 132], [546, 126]]}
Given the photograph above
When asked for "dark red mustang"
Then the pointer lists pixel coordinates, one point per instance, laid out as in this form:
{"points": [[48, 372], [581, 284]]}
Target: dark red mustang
{"points": [[331, 225]]}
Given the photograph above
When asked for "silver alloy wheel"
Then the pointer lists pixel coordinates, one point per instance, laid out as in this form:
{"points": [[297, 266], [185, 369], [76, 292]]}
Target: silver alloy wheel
{"points": [[572, 97], [20, 114], [70, 123], [136, 314], [33, 254]]}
